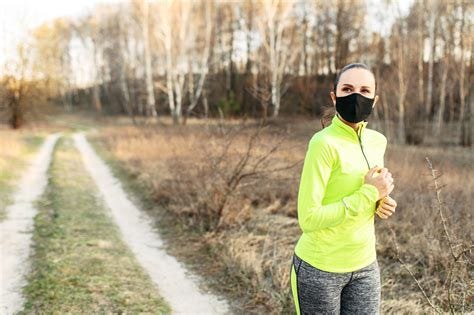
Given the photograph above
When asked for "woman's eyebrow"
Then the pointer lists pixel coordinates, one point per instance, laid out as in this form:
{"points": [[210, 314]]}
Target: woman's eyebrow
{"points": [[362, 87]]}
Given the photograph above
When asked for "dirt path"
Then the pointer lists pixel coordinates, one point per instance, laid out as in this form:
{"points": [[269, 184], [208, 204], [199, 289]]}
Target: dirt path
{"points": [[15, 230], [175, 284]]}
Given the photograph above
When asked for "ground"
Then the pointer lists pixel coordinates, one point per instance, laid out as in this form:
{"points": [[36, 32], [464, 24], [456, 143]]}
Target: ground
{"points": [[177, 175]]}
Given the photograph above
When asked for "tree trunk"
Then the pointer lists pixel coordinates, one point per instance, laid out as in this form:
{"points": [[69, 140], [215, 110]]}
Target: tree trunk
{"points": [[466, 124], [442, 100], [462, 93], [429, 91], [151, 108], [402, 86], [421, 48]]}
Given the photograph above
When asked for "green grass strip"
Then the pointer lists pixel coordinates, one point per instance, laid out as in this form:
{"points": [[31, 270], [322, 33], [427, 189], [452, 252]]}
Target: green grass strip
{"points": [[80, 264]]}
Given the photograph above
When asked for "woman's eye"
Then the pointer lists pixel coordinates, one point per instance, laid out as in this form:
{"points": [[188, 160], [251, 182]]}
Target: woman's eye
{"points": [[346, 89]]}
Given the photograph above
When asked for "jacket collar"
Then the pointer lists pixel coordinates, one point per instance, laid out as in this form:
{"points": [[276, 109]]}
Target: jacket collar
{"points": [[348, 130]]}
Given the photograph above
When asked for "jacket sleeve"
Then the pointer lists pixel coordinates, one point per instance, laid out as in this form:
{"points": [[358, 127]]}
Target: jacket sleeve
{"points": [[317, 168]]}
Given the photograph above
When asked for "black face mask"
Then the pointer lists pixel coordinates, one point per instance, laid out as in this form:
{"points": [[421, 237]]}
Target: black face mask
{"points": [[354, 107]]}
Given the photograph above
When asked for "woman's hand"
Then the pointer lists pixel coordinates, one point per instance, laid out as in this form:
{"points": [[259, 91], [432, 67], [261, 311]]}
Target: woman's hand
{"points": [[386, 207], [383, 181]]}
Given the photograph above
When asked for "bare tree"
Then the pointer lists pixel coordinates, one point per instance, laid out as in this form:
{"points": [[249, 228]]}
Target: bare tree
{"points": [[433, 13], [399, 51], [446, 25], [263, 94], [195, 89], [151, 109], [173, 33], [464, 125], [274, 26], [51, 58], [421, 48], [86, 29], [17, 87]]}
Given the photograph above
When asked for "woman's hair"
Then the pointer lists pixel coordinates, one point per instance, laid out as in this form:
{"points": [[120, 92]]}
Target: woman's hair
{"points": [[330, 111]]}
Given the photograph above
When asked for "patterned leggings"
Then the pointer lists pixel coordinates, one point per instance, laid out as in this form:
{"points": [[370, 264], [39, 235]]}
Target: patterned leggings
{"points": [[321, 292]]}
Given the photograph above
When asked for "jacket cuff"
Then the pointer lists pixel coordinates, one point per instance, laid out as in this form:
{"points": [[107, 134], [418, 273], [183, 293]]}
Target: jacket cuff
{"points": [[370, 191], [363, 200]]}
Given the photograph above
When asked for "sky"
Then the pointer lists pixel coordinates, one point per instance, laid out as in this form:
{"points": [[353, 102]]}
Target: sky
{"points": [[17, 16]]}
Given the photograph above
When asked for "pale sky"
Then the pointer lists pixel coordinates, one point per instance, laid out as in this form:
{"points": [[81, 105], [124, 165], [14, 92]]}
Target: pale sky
{"points": [[17, 16]]}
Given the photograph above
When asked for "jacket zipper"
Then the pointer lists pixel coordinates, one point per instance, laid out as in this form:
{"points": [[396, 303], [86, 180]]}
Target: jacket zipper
{"points": [[362, 149], [368, 165]]}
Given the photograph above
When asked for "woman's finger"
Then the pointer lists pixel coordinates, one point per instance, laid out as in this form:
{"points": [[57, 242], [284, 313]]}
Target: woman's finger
{"points": [[394, 202], [390, 201], [388, 207], [385, 211], [381, 215]]}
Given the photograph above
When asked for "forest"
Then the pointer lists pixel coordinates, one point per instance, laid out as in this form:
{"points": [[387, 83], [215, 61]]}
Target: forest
{"points": [[249, 58]]}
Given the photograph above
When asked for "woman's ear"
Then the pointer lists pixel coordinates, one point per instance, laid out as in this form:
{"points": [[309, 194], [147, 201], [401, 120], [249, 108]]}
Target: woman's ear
{"points": [[376, 98], [333, 98]]}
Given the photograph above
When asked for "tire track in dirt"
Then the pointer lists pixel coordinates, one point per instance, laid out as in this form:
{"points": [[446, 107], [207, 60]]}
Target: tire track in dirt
{"points": [[16, 229], [173, 281]]}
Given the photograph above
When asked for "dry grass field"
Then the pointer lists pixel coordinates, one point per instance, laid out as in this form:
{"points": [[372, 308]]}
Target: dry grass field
{"points": [[224, 196]]}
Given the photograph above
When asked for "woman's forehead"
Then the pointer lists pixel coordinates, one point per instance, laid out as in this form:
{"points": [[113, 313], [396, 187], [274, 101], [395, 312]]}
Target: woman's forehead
{"points": [[357, 77]]}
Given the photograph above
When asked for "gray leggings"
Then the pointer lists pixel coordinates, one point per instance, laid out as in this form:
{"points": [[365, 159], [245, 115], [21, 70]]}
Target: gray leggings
{"points": [[321, 292]]}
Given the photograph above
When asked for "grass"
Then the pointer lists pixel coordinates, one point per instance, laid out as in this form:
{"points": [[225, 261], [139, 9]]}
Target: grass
{"points": [[80, 264], [17, 148], [203, 256], [235, 263], [164, 166]]}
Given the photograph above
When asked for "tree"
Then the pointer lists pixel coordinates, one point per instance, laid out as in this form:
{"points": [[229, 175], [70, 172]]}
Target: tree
{"points": [[144, 7], [86, 30], [277, 52], [20, 91], [52, 59], [432, 29], [203, 53]]}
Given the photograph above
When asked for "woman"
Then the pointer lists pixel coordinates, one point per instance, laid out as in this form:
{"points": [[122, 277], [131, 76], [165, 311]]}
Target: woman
{"points": [[343, 184]]}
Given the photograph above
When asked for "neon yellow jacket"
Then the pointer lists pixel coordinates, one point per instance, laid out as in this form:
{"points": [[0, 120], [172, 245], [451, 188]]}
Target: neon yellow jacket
{"points": [[335, 207]]}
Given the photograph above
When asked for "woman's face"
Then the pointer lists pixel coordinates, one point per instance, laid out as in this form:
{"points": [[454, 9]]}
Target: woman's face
{"points": [[358, 80]]}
